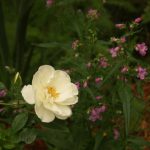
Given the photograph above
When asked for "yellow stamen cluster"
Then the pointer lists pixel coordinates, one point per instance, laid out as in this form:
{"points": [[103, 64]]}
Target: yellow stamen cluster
{"points": [[52, 91]]}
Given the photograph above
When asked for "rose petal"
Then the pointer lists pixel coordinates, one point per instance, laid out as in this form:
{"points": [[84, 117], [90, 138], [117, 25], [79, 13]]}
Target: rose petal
{"points": [[28, 94], [43, 76], [68, 91], [60, 110], [60, 79], [44, 114], [69, 101]]}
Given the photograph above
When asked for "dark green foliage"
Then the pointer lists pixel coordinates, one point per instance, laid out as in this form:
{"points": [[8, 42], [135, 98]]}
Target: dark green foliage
{"points": [[32, 34]]}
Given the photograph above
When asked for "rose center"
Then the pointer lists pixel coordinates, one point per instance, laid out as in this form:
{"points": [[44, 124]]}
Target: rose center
{"points": [[52, 91]]}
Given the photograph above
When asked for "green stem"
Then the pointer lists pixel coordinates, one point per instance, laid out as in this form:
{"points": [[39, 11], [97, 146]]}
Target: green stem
{"points": [[11, 104]]}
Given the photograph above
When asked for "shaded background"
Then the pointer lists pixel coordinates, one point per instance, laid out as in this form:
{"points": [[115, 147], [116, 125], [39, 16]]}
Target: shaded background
{"points": [[32, 34]]}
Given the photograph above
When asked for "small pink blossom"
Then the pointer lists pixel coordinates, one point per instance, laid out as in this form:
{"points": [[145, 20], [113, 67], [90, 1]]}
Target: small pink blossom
{"points": [[75, 44], [85, 84], [142, 72], [114, 51], [98, 80], [122, 39], [92, 13], [138, 20], [141, 48], [96, 113], [1, 110], [49, 3], [98, 97], [124, 69], [116, 134], [103, 62], [102, 108], [3, 93], [78, 85], [120, 26]]}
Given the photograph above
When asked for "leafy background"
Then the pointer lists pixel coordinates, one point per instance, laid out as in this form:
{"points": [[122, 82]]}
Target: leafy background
{"points": [[32, 34]]}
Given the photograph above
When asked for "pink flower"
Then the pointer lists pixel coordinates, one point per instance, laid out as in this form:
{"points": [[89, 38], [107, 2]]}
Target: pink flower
{"points": [[124, 69], [96, 113], [92, 13], [102, 108], [141, 48], [122, 39], [120, 26], [3, 93], [78, 85], [98, 97], [142, 72], [85, 84], [114, 51], [116, 134], [1, 110], [98, 80], [138, 20], [103, 62], [75, 44], [49, 3]]}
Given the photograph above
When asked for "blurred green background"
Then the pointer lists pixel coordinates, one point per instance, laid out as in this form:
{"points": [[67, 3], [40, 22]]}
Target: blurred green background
{"points": [[32, 34]]}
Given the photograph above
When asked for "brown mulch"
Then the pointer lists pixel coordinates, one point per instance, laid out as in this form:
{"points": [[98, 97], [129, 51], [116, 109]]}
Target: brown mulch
{"points": [[145, 123]]}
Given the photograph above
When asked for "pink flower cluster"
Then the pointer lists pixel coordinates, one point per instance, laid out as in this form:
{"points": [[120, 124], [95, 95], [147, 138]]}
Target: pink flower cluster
{"points": [[124, 69], [92, 13], [98, 79], [138, 20], [141, 48], [3, 93], [103, 62], [78, 85], [114, 51], [120, 26], [123, 39], [49, 3], [142, 72], [119, 40], [99, 97], [116, 134], [85, 84], [96, 113]]}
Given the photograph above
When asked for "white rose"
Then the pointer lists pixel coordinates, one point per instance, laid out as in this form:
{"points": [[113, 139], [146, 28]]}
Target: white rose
{"points": [[52, 93]]}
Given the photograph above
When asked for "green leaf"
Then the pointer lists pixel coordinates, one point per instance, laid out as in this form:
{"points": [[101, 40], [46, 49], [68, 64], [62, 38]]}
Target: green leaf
{"points": [[112, 72], [19, 122], [9, 146], [136, 114], [125, 95], [138, 141], [98, 140], [59, 138], [27, 135], [52, 45]]}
